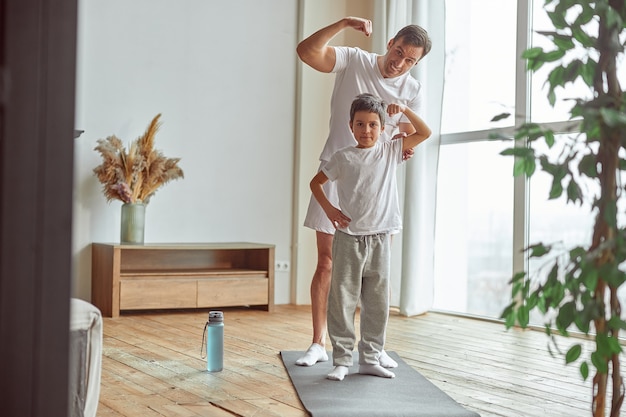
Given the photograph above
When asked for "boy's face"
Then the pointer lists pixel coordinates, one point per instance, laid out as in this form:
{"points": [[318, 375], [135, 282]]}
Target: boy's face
{"points": [[366, 128]]}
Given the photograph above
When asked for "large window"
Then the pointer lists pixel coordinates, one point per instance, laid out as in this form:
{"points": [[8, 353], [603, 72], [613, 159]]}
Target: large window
{"points": [[475, 188], [480, 63], [482, 212], [474, 230]]}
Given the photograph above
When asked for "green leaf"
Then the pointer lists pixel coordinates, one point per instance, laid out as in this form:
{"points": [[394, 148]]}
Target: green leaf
{"points": [[530, 166], [523, 316], [585, 16], [566, 316], [584, 370], [508, 310], [552, 97], [588, 71], [510, 321], [558, 20], [532, 301], [573, 353], [516, 289], [614, 277], [517, 284], [572, 71], [520, 151], [588, 166], [532, 53], [556, 190], [548, 166], [617, 323], [611, 274], [614, 346], [534, 131], [576, 253], [522, 166], [563, 42], [553, 55], [574, 192], [556, 77], [534, 64], [583, 320], [519, 276], [500, 116], [552, 278], [582, 37], [549, 136], [599, 362], [508, 314], [538, 250], [589, 276]]}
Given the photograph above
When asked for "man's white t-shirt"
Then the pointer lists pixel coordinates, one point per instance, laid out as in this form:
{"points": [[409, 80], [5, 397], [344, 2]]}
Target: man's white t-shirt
{"points": [[366, 185], [357, 72]]}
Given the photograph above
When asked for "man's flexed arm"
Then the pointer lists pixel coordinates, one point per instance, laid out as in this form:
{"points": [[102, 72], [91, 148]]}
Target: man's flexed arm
{"points": [[315, 51]]}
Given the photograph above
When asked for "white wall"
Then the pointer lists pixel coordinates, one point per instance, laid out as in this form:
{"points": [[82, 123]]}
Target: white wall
{"points": [[223, 75]]}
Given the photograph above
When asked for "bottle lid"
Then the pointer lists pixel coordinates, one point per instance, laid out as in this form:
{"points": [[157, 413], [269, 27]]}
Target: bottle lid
{"points": [[216, 316]]}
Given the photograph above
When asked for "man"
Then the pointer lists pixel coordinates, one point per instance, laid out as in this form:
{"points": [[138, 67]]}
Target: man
{"points": [[356, 71]]}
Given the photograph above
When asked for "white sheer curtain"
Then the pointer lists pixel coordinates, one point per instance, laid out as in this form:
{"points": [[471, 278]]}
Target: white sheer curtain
{"points": [[420, 180]]}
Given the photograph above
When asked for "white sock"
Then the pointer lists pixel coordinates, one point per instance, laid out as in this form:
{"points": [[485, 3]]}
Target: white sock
{"points": [[314, 354], [386, 361], [376, 370], [338, 373]]}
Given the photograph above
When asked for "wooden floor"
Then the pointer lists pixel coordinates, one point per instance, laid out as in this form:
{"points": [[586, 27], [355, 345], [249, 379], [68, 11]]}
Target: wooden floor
{"points": [[152, 365]]}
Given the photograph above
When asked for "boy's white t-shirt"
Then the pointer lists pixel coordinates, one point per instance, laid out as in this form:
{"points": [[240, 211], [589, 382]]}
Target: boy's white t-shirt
{"points": [[366, 184], [357, 72]]}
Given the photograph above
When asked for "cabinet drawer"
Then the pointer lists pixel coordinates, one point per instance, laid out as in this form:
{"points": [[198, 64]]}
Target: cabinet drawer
{"points": [[232, 292], [157, 294]]}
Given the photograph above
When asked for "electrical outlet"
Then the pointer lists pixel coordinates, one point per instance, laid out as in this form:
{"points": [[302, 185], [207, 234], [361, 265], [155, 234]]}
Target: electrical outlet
{"points": [[281, 266]]}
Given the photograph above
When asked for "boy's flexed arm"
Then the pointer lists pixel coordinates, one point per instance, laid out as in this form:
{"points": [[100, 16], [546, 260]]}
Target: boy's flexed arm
{"points": [[336, 217], [422, 131]]}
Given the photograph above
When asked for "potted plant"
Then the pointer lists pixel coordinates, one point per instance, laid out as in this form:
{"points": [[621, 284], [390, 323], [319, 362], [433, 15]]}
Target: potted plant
{"points": [[581, 289], [133, 175]]}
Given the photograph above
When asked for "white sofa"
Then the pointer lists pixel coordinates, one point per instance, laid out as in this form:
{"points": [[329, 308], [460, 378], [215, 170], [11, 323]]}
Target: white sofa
{"points": [[85, 358]]}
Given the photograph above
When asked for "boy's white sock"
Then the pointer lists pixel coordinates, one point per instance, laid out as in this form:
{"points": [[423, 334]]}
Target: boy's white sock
{"points": [[386, 361], [314, 354], [338, 373], [376, 370]]}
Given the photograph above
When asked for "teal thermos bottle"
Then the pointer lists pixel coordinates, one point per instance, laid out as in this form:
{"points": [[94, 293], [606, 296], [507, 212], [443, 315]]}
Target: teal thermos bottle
{"points": [[215, 342]]}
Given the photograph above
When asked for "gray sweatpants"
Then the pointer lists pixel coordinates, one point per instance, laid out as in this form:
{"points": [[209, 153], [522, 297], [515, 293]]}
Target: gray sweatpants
{"points": [[361, 267]]}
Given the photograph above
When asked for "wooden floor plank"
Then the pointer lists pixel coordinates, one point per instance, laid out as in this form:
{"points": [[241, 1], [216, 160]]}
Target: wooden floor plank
{"points": [[153, 365]]}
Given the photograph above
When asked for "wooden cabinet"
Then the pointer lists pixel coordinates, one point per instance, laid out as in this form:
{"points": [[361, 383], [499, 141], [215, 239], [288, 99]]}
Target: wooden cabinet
{"points": [[181, 275]]}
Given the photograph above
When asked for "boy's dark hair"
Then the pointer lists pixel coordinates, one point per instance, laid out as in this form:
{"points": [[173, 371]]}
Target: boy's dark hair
{"points": [[369, 103], [414, 35]]}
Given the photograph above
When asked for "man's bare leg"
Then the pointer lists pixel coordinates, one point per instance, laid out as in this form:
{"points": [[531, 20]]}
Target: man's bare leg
{"points": [[320, 286]]}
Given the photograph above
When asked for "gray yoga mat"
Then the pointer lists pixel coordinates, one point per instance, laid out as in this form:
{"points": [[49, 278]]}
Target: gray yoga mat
{"points": [[409, 394]]}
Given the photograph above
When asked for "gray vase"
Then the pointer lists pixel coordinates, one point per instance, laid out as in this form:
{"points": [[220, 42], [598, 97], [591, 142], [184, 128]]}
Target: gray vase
{"points": [[133, 222]]}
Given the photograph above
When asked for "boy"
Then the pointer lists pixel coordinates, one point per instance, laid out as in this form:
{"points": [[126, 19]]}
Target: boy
{"points": [[369, 214]]}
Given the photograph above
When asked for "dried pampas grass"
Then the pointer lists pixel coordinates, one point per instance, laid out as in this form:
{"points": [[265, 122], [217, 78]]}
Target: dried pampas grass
{"points": [[134, 176]]}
